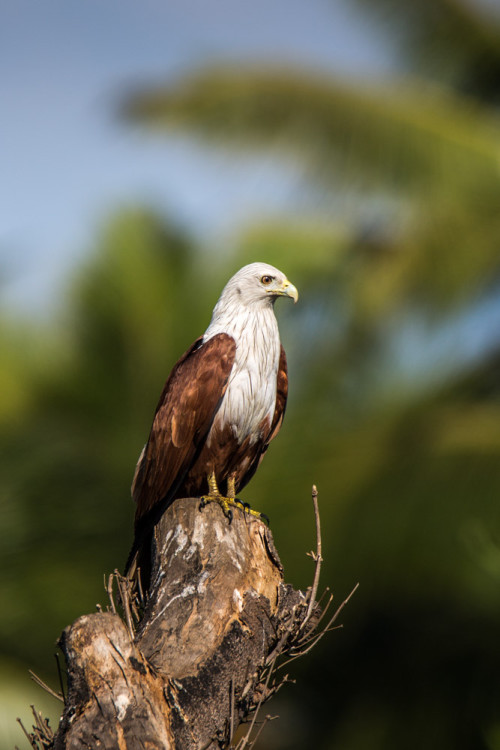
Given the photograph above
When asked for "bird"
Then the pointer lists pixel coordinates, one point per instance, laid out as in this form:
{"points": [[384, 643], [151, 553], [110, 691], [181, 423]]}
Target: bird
{"points": [[222, 404]]}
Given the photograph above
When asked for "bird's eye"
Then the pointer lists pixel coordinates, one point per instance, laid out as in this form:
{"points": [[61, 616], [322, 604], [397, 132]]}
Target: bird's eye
{"points": [[266, 280]]}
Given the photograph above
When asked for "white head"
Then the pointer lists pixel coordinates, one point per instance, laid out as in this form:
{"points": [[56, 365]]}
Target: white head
{"points": [[256, 285], [252, 291], [245, 312]]}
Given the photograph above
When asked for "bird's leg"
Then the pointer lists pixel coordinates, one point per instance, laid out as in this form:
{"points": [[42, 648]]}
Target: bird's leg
{"points": [[214, 496], [231, 486], [212, 485], [213, 491]]}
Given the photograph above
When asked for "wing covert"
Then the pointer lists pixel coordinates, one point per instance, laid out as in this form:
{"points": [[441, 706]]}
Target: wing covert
{"points": [[186, 409]]}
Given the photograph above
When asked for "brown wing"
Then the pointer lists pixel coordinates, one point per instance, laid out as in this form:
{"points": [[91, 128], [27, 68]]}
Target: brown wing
{"points": [[187, 406]]}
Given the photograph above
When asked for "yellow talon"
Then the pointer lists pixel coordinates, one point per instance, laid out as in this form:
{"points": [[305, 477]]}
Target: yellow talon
{"points": [[226, 503]]}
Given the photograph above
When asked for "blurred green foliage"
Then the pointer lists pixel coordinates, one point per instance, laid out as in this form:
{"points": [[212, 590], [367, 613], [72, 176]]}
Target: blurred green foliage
{"points": [[400, 433], [408, 485]]}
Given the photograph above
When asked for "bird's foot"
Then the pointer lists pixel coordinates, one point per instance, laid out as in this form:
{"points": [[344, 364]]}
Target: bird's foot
{"points": [[231, 491], [227, 503], [224, 502], [247, 509]]}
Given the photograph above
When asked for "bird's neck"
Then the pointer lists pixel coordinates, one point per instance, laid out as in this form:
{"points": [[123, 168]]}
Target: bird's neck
{"points": [[244, 322]]}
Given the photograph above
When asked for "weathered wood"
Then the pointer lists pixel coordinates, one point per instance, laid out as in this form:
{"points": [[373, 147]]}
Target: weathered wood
{"points": [[114, 698], [218, 614], [204, 569]]}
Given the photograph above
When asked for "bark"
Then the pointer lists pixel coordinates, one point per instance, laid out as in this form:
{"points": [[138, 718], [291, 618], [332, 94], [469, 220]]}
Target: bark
{"points": [[202, 657]]}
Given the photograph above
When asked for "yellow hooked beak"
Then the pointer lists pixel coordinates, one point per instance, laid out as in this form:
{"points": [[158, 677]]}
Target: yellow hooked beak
{"points": [[286, 289]]}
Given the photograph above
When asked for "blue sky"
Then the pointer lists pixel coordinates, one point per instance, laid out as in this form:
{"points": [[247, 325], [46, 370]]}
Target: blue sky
{"points": [[66, 161]]}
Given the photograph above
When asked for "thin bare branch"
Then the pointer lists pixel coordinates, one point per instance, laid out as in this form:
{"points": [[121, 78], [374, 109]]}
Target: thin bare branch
{"points": [[44, 685], [124, 590], [326, 629], [246, 738], [317, 557], [109, 589], [28, 736], [306, 637], [267, 719]]}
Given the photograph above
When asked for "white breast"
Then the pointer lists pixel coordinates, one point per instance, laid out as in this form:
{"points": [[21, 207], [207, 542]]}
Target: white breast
{"points": [[251, 392]]}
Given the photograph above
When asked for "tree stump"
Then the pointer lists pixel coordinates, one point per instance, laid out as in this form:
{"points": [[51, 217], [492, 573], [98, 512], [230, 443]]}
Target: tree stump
{"points": [[201, 659]]}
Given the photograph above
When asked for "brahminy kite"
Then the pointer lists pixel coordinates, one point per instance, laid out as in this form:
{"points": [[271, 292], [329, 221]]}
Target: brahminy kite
{"points": [[221, 406]]}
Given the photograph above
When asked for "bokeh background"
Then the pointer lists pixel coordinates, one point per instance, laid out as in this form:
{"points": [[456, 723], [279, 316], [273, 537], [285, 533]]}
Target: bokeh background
{"points": [[149, 150]]}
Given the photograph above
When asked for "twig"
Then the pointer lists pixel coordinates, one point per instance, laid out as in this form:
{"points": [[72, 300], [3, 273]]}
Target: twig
{"points": [[42, 735], [109, 589], [246, 738], [266, 721], [39, 723], [28, 736], [59, 672], [306, 637], [123, 588], [325, 592], [44, 685], [313, 641], [341, 607], [139, 587], [317, 557], [309, 636], [280, 646]]}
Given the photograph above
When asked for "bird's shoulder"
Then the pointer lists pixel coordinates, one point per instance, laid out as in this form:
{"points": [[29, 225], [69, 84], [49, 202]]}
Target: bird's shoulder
{"points": [[192, 393]]}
